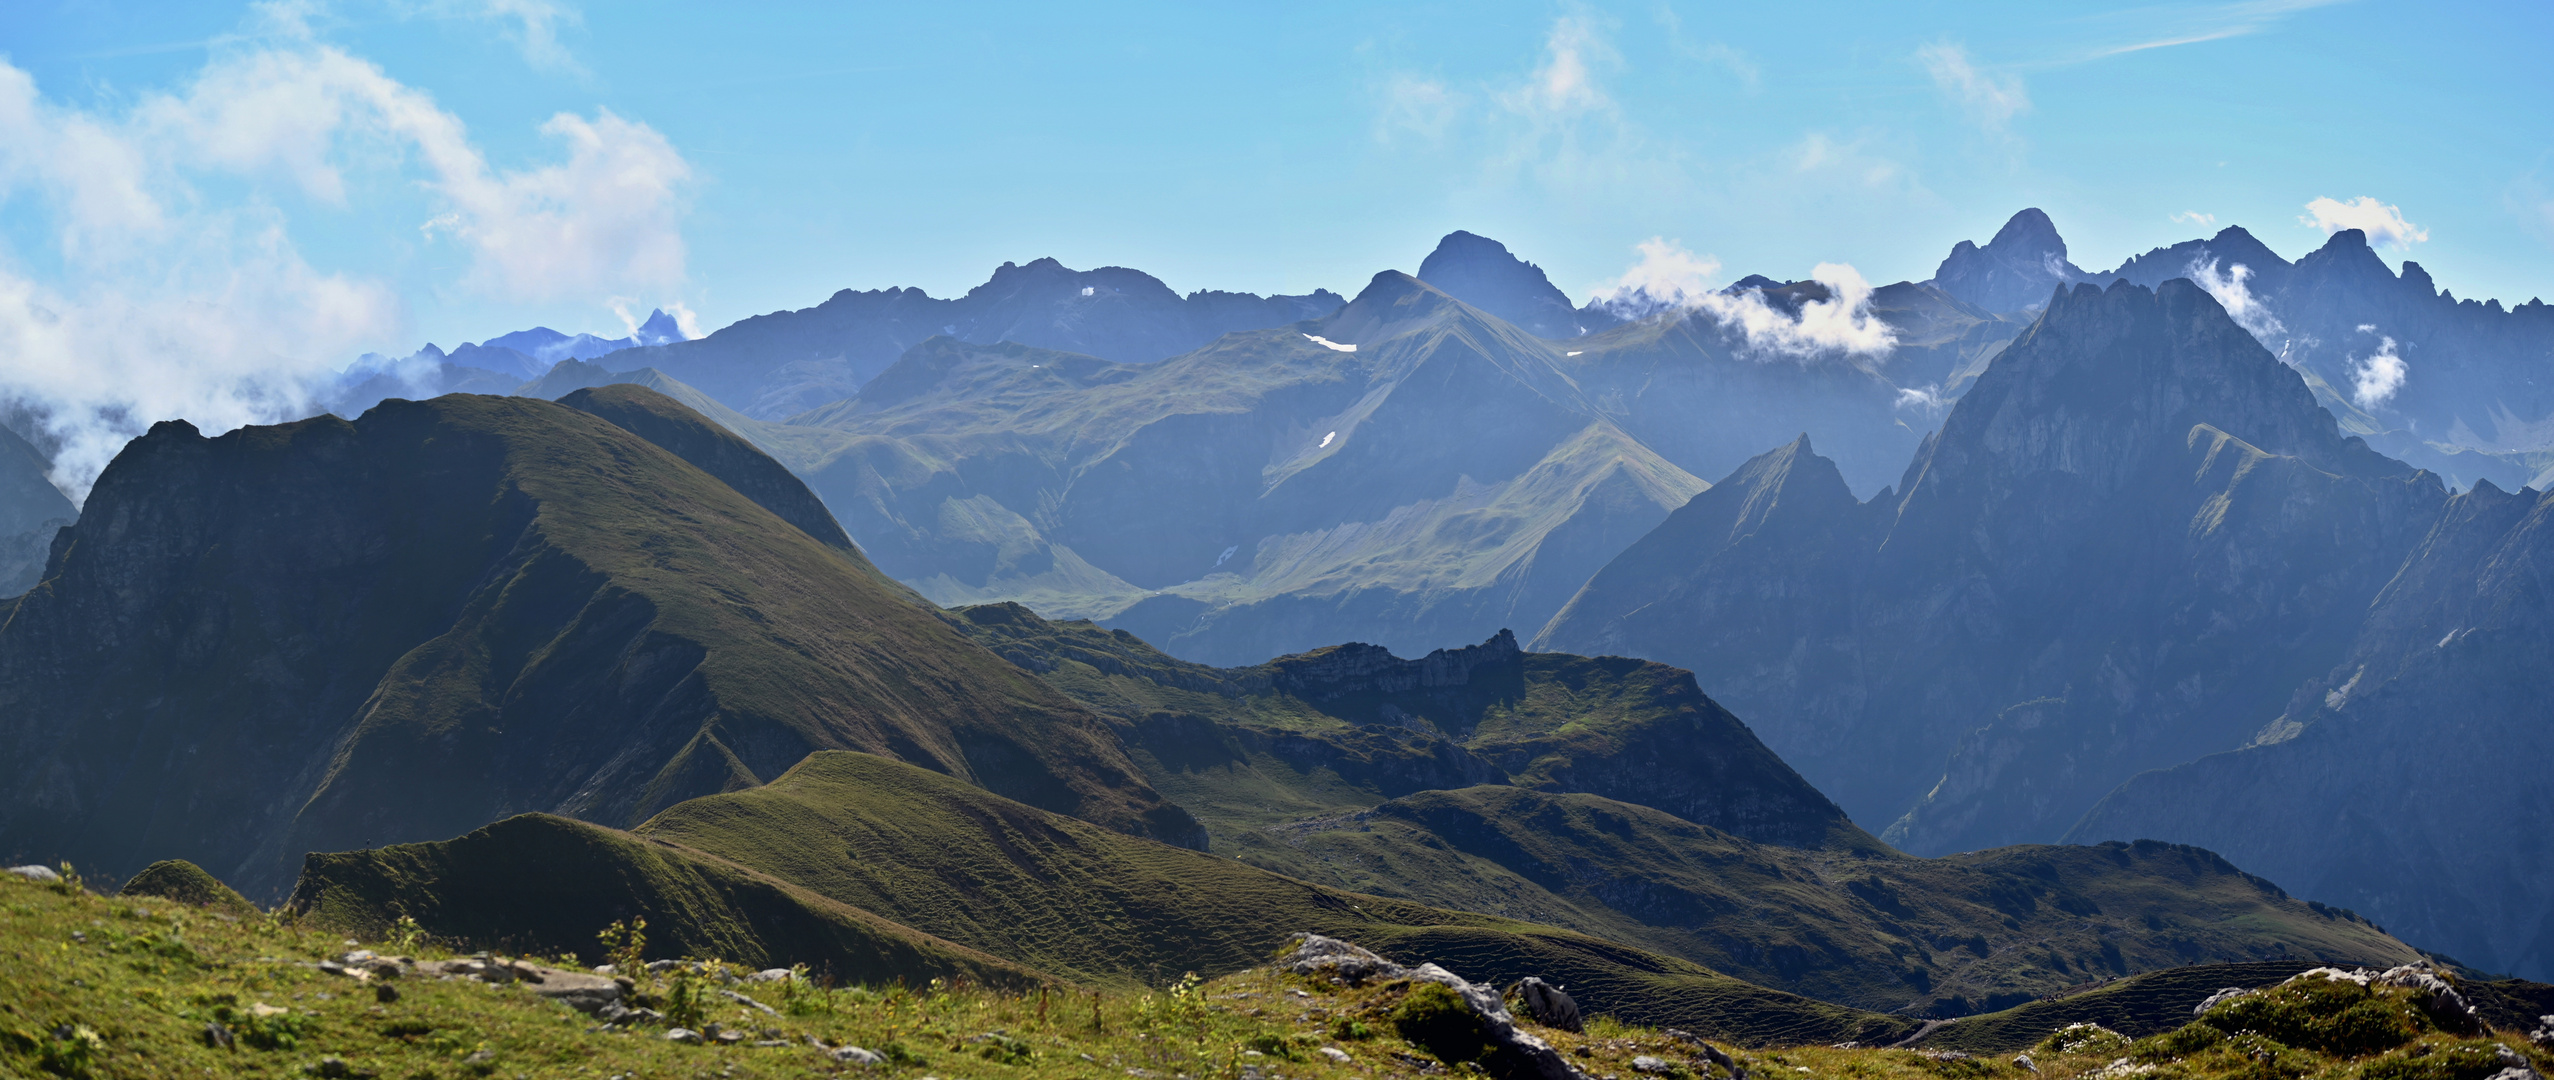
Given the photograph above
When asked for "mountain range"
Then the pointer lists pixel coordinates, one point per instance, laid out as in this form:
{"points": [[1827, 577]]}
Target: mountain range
{"points": [[2089, 624], [606, 636]]}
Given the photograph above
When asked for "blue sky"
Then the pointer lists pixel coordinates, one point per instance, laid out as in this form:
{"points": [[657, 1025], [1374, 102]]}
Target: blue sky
{"points": [[304, 180]]}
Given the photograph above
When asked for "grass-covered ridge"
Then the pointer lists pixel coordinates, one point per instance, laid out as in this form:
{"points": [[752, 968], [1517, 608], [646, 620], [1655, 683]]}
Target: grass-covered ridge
{"points": [[1612, 797], [1060, 897], [329, 635], [127, 986]]}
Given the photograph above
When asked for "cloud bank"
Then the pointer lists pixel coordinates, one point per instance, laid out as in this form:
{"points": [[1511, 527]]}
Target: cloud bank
{"points": [[167, 296], [2382, 222], [1672, 280]]}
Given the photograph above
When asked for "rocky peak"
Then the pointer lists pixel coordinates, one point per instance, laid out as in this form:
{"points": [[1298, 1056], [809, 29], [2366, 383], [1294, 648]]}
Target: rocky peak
{"points": [[2015, 271], [2028, 233], [2346, 259], [1479, 271], [1357, 669], [1391, 304]]}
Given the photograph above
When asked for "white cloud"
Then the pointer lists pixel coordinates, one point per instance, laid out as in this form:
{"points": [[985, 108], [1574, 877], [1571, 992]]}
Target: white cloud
{"points": [[1667, 277], [2194, 217], [2375, 379], [1990, 99], [1564, 86], [2382, 222], [171, 299], [1671, 279], [2236, 297]]}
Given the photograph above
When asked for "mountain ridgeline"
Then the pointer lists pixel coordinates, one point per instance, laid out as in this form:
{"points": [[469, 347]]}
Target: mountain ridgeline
{"points": [[335, 634]]}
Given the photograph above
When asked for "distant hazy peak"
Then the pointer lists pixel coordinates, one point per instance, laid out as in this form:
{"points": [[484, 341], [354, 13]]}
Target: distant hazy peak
{"points": [[2347, 255], [1481, 272], [2016, 270], [1390, 303], [2028, 232]]}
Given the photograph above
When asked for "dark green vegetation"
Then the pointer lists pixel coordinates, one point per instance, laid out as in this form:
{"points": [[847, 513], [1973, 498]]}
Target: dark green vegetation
{"points": [[544, 885], [1610, 796], [187, 883], [329, 635], [2162, 1001], [127, 986], [905, 856]]}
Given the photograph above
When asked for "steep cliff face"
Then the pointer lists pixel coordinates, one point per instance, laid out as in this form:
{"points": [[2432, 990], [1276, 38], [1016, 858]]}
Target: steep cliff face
{"points": [[327, 634], [2405, 781], [2127, 544]]}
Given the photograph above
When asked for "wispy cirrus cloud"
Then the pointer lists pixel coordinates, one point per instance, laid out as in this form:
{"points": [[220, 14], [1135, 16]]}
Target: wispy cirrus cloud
{"points": [[1991, 99], [2169, 27]]}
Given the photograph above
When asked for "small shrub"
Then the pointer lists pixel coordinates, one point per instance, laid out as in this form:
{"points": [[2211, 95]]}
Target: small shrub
{"points": [[1432, 1017], [2082, 1039], [626, 945], [74, 1048], [2183, 1041], [1002, 1049], [406, 936], [2456, 1061], [2333, 1016], [1350, 1029]]}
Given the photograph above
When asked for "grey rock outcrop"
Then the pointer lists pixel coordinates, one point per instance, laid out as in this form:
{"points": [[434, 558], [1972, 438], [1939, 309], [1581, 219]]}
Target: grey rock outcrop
{"points": [[1549, 1005], [1313, 954]]}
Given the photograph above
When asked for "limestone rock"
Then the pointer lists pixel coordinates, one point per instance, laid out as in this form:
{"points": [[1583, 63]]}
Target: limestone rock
{"points": [[1549, 1005]]}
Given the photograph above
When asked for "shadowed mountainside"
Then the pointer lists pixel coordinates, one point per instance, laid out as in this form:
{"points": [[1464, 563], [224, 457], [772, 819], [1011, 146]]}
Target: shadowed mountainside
{"points": [[2132, 476], [1611, 797], [326, 634]]}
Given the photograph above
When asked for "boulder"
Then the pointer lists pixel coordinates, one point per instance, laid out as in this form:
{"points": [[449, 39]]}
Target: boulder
{"points": [[36, 873], [1549, 1005], [1314, 953]]}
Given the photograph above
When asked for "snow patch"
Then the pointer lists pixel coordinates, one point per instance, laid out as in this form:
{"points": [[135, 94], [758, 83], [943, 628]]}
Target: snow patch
{"points": [[1325, 441], [1088, 290], [1329, 344]]}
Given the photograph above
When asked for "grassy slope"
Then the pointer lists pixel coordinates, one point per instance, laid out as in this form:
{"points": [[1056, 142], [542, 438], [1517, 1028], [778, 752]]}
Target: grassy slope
{"points": [[465, 608], [1081, 902], [146, 974], [546, 885], [1304, 789]]}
